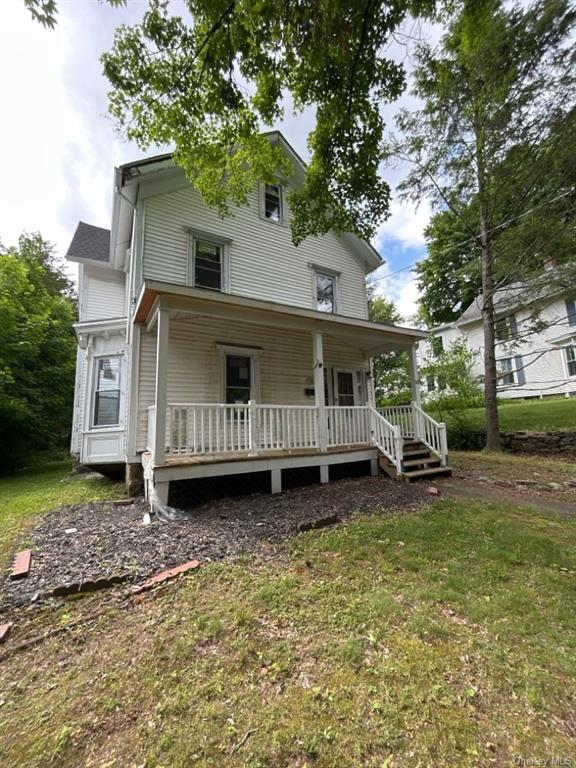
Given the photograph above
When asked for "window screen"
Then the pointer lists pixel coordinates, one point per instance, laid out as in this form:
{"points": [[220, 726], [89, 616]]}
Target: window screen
{"points": [[325, 293], [273, 202], [107, 394], [207, 265]]}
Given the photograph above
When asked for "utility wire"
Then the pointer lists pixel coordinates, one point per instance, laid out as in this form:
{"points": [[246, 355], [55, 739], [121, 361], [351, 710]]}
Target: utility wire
{"points": [[493, 229]]}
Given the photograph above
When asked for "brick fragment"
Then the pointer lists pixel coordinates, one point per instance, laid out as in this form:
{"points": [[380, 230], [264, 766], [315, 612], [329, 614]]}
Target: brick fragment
{"points": [[433, 490], [159, 578], [5, 631], [21, 565], [123, 502]]}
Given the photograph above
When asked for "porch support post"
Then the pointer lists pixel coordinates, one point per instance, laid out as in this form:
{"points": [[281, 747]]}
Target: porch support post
{"points": [[415, 388], [324, 473], [161, 390], [414, 377], [276, 481], [371, 389], [319, 391]]}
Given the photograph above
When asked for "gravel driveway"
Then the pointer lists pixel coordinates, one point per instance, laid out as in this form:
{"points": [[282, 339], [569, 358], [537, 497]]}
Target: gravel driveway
{"points": [[111, 540]]}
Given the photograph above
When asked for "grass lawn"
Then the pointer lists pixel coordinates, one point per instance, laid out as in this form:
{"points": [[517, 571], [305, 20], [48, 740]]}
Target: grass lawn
{"points": [[28, 493], [531, 415], [443, 639], [508, 466]]}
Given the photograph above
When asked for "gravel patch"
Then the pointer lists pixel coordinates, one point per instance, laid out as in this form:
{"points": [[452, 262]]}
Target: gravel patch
{"points": [[111, 541]]}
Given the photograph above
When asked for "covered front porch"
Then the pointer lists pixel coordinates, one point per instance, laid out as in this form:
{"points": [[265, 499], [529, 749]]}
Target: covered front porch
{"points": [[269, 387]]}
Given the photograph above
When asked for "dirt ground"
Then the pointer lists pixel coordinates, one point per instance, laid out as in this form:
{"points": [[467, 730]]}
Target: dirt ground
{"points": [[80, 543]]}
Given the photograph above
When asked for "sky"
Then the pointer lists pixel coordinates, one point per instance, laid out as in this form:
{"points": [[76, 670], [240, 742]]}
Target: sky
{"points": [[60, 146]]}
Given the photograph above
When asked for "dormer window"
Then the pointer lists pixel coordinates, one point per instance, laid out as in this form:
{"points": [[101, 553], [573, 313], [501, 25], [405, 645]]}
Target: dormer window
{"points": [[273, 203]]}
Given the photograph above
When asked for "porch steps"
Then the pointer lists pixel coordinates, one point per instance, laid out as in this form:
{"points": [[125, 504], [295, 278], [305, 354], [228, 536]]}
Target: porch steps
{"points": [[418, 462]]}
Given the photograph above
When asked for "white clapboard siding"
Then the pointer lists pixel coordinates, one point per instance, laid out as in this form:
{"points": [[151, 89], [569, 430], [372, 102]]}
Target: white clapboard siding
{"points": [[194, 368], [544, 363], [264, 263], [103, 294]]}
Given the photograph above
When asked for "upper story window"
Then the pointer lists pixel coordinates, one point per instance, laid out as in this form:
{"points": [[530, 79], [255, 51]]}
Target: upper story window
{"points": [[207, 265], [506, 328], [571, 360], [325, 292], [208, 262], [571, 311], [107, 392], [437, 345], [273, 203]]}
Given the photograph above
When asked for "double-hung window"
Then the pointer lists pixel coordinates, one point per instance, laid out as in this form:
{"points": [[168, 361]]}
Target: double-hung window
{"points": [[107, 392], [571, 311], [273, 203], [208, 267], [325, 292], [506, 328], [208, 261], [506, 371], [571, 360]]}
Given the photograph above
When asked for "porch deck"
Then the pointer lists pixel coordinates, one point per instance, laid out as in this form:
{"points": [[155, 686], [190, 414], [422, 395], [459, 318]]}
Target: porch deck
{"points": [[172, 460]]}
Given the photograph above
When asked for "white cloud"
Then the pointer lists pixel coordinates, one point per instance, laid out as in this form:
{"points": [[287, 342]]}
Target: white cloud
{"points": [[399, 287], [406, 225]]}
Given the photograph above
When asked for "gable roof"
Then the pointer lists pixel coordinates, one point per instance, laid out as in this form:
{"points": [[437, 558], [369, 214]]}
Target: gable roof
{"points": [[515, 295], [151, 166], [90, 243]]}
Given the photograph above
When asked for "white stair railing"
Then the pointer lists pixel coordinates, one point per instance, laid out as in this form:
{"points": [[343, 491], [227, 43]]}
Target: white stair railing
{"points": [[388, 438], [432, 433], [402, 416]]}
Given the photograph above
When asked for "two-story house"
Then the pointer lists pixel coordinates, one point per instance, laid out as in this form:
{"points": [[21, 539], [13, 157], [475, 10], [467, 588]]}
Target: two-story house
{"points": [[211, 347], [535, 340]]}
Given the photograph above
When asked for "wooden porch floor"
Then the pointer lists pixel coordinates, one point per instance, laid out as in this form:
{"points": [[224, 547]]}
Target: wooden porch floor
{"points": [[224, 458]]}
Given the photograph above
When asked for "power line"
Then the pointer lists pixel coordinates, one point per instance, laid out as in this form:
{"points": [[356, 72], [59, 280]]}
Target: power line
{"points": [[489, 231]]}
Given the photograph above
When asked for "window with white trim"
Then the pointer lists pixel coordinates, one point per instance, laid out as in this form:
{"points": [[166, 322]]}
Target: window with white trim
{"points": [[273, 203], [506, 328], [325, 292], [207, 264], [570, 353], [505, 371], [107, 392]]}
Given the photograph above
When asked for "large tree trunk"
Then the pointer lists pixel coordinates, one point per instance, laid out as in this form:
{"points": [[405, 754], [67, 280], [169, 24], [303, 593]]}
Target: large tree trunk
{"points": [[490, 372]]}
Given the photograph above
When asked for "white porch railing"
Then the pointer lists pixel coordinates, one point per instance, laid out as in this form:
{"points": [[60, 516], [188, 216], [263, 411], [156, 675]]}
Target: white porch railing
{"points": [[199, 428], [348, 425], [215, 428], [401, 415]]}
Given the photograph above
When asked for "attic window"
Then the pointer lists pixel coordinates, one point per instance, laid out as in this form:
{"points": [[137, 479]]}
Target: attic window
{"points": [[273, 203]]}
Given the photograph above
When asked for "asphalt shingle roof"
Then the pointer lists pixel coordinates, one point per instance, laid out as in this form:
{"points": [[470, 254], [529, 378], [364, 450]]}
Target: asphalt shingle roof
{"points": [[90, 242]]}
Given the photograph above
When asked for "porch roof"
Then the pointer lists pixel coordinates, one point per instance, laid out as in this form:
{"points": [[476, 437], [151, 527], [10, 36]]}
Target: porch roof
{"points": [[371, 337]]}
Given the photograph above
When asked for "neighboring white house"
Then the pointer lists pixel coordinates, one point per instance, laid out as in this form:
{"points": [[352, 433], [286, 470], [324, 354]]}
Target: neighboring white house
{"points": [[210, 346], [531, 363]]}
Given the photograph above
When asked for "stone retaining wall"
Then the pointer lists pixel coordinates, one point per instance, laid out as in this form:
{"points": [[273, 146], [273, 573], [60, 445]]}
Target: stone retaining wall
{"points": [[540, 442]]}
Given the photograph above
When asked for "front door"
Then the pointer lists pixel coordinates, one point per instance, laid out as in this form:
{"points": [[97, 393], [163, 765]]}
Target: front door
{"points": [[239, 379], [345, 387]]}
